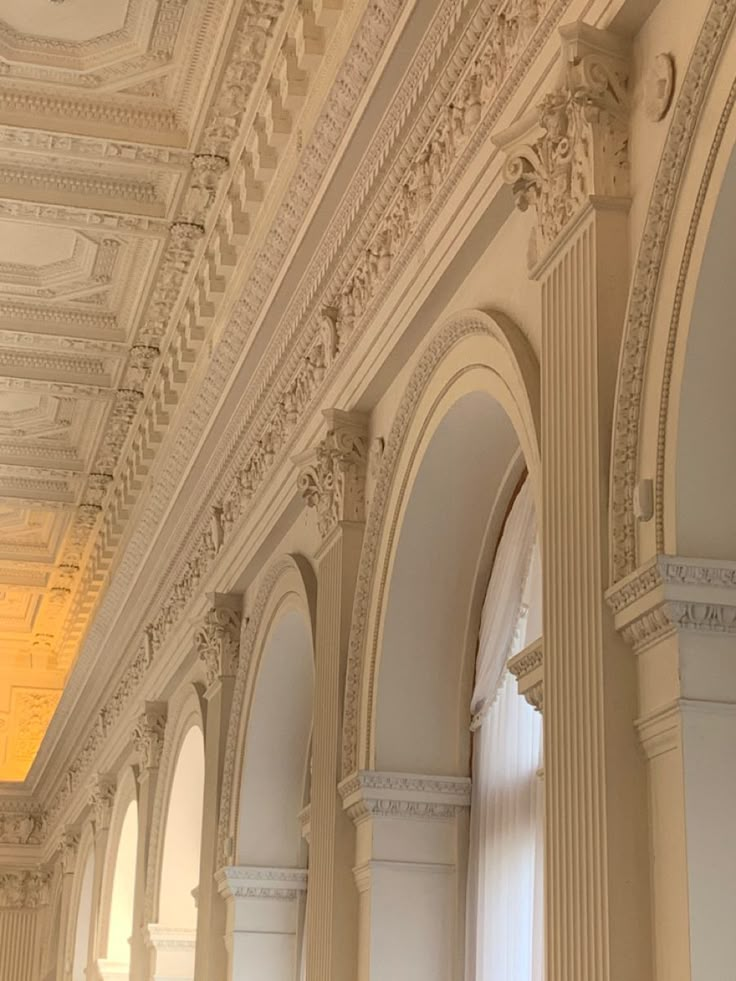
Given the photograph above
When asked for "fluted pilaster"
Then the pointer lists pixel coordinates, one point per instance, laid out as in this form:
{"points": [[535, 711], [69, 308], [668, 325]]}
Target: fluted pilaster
{"points": [[568, 162]]}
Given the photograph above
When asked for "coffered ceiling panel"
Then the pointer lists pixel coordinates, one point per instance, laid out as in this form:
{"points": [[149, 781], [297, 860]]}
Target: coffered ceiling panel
{"points": [[105, 182]]}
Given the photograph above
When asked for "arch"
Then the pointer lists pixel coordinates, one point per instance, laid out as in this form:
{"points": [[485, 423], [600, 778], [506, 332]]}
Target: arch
{"points": [[646, 420], [118, 887], [185, 715], [80, 923], [475, 387], [286, 597]]}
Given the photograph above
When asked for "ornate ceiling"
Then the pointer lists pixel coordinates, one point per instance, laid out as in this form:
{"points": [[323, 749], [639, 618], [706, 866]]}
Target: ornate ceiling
{"points": [[108, 161]]}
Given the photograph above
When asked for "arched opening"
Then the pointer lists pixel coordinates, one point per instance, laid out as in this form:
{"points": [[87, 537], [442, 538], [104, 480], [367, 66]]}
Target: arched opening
{"points": [[267, 926], [116, 964], [436, 702], [84, 919], [174, 936], [706, 443]]}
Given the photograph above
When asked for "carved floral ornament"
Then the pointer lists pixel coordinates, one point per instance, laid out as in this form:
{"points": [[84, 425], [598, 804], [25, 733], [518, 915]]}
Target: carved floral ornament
{"points": [[148, 734], [24, 889], [512, 34], [217, 642], [332, 478], [574, 146]]}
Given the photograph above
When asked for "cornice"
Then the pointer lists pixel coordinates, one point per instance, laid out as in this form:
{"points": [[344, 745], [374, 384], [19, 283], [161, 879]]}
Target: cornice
{"points": [[314, 366], [370, 794], [669, 594], [256, 882], [528, 668]]}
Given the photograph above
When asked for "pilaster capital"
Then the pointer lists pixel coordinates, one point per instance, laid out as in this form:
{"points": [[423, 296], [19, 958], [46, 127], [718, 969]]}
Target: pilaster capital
{"points": [[148, 734], [256, 882], [573, 148], [68, 848], [332, 476], [101, 796], [671, 594], [24, 889], [217, 639], [373, 794], [528, 668]]}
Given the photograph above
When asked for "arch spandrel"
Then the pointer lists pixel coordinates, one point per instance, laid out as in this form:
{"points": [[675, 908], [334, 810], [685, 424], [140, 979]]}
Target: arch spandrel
{"points": [[473, 352]]}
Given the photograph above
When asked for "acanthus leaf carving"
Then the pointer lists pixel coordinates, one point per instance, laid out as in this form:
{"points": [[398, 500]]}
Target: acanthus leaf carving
{"points": [[217, 640], [332, 478], [148, 734], [574, 146]]}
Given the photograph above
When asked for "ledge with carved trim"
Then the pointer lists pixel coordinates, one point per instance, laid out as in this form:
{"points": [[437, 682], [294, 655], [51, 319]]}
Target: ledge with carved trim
{"points": [[671, 593], [371, 794], [257, 882], [528, 668]]}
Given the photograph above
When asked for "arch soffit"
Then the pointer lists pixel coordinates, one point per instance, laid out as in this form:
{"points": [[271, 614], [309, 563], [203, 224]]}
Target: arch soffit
{"points": [[473, 351], [288, 584], [185, 713], [667, 253], [126, 794]]}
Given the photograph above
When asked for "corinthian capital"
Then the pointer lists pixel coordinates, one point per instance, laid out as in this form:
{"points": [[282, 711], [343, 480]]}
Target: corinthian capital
{"points": [[217, 640], [332, 476], [101, 797], [68, 847], [148, 734], [573, 147]]}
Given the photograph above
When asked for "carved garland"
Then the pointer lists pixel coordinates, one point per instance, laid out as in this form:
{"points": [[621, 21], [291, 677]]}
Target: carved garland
{"points": [[705, 58]]}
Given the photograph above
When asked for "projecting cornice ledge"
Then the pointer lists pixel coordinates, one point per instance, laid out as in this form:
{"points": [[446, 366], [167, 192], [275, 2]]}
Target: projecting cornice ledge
{"points": [[670, 594], [528, 668]]}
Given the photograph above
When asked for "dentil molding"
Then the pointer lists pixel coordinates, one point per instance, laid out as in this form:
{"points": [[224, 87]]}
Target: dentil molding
{"points": [[528, 668], [670, 594], [373, 794], [257, 882]]}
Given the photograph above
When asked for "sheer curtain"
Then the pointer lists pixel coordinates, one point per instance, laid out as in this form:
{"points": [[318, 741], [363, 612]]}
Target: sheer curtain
{"points": [[504, 871]]}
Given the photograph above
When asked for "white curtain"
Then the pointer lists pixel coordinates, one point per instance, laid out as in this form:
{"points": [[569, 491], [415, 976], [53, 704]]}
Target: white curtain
{"points": [[504, 938]]}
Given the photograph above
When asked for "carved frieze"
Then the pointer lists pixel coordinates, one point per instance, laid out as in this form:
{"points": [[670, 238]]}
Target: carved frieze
{"points": [[464, 119]]}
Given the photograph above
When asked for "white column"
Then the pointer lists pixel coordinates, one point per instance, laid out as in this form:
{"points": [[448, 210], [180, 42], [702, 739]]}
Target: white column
{"points": [[679, 615], [411, 844], [68, 847], [23, 905], [263, 914], [101, 798]]}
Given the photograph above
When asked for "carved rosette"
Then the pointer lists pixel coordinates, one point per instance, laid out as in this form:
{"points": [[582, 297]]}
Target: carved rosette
{"points": [[332, 477], [148, 734], [574, 146], [217, 642]]}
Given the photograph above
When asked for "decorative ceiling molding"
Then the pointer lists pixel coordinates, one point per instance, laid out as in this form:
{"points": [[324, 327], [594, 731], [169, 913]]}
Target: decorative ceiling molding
{"points": [[332, 311]]}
